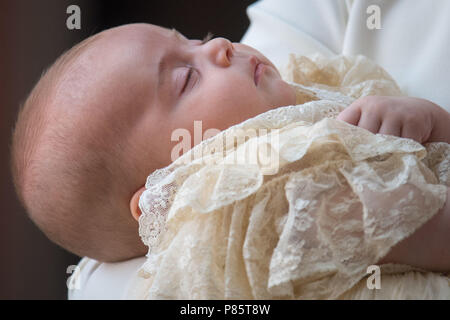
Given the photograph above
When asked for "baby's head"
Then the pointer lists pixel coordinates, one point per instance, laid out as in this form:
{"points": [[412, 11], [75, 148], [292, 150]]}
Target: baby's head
{"points": [[100, 121]]}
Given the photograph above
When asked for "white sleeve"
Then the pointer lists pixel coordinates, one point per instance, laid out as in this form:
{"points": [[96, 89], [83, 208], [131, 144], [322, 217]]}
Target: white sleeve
{"points": [[280, 27], [94, 280], [412, 44]]}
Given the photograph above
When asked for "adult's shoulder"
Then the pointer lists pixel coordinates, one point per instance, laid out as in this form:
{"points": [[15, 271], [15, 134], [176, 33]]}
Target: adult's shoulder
{"points": [[279, 27]]}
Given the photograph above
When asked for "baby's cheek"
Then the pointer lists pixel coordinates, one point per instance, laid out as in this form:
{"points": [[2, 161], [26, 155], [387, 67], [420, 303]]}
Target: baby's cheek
{"points": [[226, 104]]}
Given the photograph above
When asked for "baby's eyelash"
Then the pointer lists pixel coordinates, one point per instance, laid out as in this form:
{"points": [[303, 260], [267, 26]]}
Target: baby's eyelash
{"points": [[208, 37], [188, 77]]}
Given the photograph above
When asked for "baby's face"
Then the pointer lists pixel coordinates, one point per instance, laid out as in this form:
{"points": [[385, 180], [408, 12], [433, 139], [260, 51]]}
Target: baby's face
{"points": [[152, 81]]}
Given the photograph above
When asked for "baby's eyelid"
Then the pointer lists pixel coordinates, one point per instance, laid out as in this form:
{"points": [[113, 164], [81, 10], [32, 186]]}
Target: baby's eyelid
{"points": [[187, 78]]}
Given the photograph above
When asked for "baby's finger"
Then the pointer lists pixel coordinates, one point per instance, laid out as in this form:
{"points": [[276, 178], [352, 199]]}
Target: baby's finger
{"points": [[391, 127], [351, 114], [369, 121]]}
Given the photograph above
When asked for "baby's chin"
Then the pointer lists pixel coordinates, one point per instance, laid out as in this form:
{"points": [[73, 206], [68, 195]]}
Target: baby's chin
{"points": [[280, 92], [287, 95]]}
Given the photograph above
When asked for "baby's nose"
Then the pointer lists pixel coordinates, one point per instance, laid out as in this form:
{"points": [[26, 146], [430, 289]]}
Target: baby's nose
{"points": [[220, 51]]}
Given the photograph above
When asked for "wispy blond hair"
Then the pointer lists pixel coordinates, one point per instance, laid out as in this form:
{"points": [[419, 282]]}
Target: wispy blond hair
{"points": [[68, 195]]}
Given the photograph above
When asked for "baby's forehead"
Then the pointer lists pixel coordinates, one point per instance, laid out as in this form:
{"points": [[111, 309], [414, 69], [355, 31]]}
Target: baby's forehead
{"points": [[127, 52], [136, 44], [112, 72], [140, 32]]}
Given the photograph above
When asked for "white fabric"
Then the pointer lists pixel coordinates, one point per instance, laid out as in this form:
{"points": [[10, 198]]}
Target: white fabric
{"points": [[105, 281], [413, 44]]}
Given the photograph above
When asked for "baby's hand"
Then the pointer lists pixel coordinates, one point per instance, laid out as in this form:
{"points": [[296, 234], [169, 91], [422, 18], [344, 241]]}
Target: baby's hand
{"points": [[405, 117]]}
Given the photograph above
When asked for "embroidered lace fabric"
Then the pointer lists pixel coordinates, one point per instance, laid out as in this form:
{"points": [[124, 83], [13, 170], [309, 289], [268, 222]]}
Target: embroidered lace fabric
{"points": [[304, 222]]}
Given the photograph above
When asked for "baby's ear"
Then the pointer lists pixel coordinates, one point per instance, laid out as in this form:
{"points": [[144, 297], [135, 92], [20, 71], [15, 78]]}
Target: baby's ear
{"points": [[134, 204]]}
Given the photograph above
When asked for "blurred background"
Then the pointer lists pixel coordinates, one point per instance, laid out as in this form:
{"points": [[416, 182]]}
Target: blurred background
{"points": [[32, 35]]}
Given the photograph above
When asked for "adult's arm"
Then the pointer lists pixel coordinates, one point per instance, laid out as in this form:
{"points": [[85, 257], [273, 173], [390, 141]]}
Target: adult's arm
{"points": [[428, 247]]}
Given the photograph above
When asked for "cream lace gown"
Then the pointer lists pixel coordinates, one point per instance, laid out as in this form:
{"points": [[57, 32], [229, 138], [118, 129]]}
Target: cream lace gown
{"points": [[303, 219]]}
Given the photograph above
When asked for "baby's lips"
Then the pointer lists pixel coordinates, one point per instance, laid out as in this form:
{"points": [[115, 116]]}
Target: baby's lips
{"points": [[257, 68]]}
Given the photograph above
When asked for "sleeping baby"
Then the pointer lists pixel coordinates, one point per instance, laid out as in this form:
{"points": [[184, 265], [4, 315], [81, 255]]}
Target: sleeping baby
{"points": [[306, 223]]}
